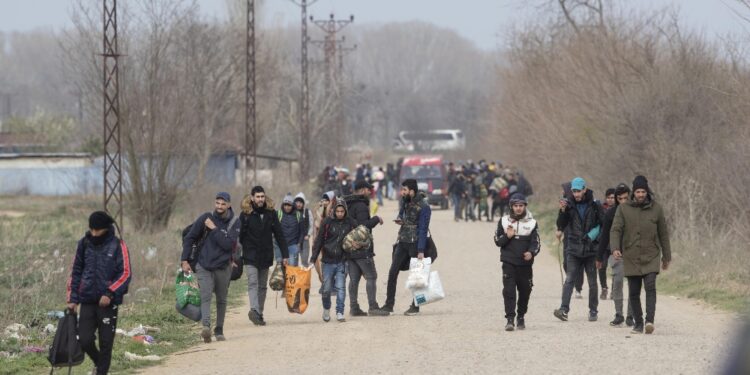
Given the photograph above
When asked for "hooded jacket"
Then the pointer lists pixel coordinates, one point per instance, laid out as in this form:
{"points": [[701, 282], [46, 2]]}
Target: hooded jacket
{"points": [[581, 231], [258, 228], [525, 239], [640, 231], [307, 216], [101, 267], [359, 210], [330, 239], [291, 223], [216, 252]]}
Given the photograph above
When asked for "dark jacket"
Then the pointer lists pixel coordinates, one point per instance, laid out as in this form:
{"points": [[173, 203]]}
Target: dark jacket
{"points": [[292, 226], [217, 248], [359, 210], [101, 267], [415, 217], [581, 232], [457, 187], [525, 239], [604, 250], [258, 228], [330, 239]]}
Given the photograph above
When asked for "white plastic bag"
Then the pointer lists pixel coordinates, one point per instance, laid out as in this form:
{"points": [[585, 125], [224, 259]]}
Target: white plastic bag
{"points": [[419, 274], [433, 293]]}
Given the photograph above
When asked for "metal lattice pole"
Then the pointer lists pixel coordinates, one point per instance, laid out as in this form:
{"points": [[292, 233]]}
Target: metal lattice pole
{"points": [[304, 158], [111, 115], [251, 130]]}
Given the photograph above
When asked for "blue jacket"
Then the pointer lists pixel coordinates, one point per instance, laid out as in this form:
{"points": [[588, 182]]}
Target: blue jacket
{"points": [[101, 267], [219, 244]]}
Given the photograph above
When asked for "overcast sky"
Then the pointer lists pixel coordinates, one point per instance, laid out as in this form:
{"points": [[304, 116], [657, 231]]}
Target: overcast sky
{"points": [[481, 21]]}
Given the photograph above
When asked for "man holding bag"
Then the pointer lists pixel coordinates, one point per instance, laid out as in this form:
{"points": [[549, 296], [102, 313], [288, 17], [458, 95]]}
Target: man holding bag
{"points": [[517, 235]]}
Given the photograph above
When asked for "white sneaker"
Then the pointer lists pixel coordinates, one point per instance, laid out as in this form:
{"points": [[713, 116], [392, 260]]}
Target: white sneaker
{"points": [[578, 295], [326, 315], [340, 317]]}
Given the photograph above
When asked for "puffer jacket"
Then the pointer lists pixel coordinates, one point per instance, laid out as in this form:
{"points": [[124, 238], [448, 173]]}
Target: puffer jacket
{"points": [[581, 233], [525, 239], [642, 231], [330, 240], [258, 228], [101, 267]]}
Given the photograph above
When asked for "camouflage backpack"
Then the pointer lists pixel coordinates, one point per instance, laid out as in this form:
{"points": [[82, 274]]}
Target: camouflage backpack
{"points": [[359, 234]]}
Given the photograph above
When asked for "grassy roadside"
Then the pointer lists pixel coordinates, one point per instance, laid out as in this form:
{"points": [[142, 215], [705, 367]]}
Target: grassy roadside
{"points": [[682, 279]]}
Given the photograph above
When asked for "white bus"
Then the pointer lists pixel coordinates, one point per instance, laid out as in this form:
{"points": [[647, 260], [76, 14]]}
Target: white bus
{"points": [[430, 140]]}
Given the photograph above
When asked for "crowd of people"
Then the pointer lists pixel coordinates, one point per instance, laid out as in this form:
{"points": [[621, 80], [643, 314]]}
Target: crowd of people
{"points": [[626, 232]]}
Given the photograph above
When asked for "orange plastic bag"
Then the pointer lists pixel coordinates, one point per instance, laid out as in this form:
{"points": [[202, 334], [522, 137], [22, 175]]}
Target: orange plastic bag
{"points": [[297, 291]]}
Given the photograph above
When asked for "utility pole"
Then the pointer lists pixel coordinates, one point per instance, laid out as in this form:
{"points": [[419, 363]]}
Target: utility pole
{"points": [[331, 27], [111, 115], [305, 156], [251, 130]]}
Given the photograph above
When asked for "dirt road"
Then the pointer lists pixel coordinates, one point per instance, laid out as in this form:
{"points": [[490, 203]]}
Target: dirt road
{"points": [[463, 333]]}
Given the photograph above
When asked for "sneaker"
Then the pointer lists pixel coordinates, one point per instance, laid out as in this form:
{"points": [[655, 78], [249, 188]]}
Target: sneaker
{"points": [[378, 312], [326, 315], [520, 322], [561, 314], [93, 371], [509, 326], [256, 318], [629, 321], [206, 334], [413, 310], [387, 308], [578, 294], [340, 317], [604, 293], [593, 316], [637, 329], [617, 321], [356, 311], [219, 334], [649, 328]]}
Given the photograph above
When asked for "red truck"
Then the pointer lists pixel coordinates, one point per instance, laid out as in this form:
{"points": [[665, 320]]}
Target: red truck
{"points": [[431, 175]]}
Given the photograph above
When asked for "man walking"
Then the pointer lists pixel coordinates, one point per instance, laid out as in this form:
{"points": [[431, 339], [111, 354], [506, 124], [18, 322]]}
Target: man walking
{"points": [[582, 218], [639, 237], [300, 204], [98, 281], [292, 227], [414, 218], [361, 263], [214, 269], [621, 193], [517, 235], [259, 226]]}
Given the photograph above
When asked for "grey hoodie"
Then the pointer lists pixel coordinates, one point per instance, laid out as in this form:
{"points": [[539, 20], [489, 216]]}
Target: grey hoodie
{"points": [[291, 223]]}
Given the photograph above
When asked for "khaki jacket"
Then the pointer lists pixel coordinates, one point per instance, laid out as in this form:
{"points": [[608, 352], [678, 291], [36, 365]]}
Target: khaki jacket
{"points": [[640, 232]]}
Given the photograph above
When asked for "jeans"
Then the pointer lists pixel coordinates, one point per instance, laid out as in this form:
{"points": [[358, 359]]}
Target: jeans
{"points": [[210, 282], [294, 255], [257, 285], [516, 277], [456, 202], [93, 318], [618, 277], [334, 277], [574, 264], [304, 253], [362, 267], [634, 286], [379, 194], [579, 276]]}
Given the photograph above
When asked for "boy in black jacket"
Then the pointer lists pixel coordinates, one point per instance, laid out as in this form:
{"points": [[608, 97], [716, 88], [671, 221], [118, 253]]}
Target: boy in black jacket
{"points": [[517, 236], [98, 281]]}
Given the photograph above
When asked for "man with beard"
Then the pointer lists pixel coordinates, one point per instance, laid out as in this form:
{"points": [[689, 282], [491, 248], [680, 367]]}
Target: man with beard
{"points": [[639, 237], [582, 218], [214, 269], [259, 226], [517, 235], [414, 218]]}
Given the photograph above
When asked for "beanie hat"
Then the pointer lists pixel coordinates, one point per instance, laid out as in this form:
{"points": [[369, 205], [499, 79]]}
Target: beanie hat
{"points": [[621, 189], [288, 199], [361, 184], [411, 184], [518, 198], [640, 182], [100, 220]]}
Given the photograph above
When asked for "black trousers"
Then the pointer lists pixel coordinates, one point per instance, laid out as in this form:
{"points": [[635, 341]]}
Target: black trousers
{"points": [[93, 318], [603, 276], [634, 287], [579, 277], [516, 278], [404, 251]]}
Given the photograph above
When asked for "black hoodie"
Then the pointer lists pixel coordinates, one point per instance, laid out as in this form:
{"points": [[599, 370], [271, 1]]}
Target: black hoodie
{"points": [[330, 239]]}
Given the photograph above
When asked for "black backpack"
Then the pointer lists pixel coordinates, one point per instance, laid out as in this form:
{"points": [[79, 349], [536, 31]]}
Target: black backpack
{"points": [[65, 349]]}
